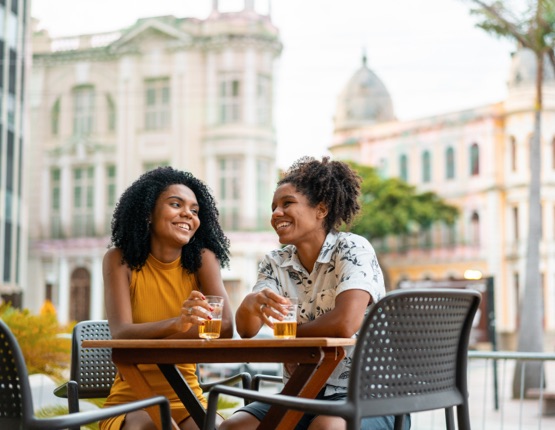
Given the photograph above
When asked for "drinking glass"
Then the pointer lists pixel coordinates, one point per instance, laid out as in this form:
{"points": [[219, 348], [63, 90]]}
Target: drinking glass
{"points": [[287, 328], [211, 328]]}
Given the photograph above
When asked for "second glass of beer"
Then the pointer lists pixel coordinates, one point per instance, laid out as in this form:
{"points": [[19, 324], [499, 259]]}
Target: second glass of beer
{"points": [[287, 328]]}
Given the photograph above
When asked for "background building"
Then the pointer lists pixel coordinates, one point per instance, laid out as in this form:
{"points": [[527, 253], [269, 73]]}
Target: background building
{"points": [[476, 159], [195, 94], [13, 143]]}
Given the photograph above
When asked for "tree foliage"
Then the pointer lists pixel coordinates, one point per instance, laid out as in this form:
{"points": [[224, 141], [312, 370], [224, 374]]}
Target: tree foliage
{"points": [[393, 207]]}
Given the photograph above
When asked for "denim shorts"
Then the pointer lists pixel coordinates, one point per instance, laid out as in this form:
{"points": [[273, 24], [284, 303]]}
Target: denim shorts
{"points": [[259, 410]]}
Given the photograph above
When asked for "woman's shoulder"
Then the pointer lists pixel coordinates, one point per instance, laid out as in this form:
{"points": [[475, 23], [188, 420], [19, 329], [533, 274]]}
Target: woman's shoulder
{"points": [[113, 254], [345, 237]]}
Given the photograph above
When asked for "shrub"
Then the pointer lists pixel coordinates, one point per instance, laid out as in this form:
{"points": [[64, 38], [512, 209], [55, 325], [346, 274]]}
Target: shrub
{"points": [[41, 339]]}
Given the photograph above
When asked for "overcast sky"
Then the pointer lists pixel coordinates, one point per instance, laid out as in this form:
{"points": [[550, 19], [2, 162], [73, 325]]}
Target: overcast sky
{"points": [[427, 52]]}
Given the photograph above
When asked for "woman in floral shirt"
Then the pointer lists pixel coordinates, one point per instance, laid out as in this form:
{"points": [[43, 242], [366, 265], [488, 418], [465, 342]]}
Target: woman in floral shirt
{"points": [[335, 276]]}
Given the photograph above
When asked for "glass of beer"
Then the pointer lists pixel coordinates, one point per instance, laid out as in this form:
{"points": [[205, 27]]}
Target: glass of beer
{"points": [[211, 328], [287, 328]]}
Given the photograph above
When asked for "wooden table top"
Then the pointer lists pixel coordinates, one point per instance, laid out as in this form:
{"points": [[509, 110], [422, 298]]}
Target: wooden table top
{"points": [[220, 343]]}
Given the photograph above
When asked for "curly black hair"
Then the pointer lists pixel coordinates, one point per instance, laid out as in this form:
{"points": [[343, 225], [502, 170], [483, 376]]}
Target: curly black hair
{"points": [[333, 183], [130, 227]]}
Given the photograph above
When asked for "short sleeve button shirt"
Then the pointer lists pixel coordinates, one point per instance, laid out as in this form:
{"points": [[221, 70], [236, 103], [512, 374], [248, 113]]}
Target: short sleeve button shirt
{"points": [[346, 262]]}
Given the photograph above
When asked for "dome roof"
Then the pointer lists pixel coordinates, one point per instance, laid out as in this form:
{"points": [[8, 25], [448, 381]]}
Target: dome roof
{"points": [[523, 68], [364, 100]]}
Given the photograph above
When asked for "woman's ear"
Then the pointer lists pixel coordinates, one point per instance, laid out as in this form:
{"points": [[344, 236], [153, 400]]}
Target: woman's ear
{"points": [[322, 210]]}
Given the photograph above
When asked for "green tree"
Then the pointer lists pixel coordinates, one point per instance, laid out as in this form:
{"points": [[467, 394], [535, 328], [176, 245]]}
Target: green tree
{"points": [[531, 24], [393, 207]]}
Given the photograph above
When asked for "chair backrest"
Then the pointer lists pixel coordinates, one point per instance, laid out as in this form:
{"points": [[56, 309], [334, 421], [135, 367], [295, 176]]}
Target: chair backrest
{"points": [[411, 353], [92, 368], [16, 402]]}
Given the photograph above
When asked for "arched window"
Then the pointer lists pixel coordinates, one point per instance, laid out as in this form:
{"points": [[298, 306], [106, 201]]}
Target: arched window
{"points": [[450, 163], [513, 153], [80, 295], [403, 168], [426, 167], [474, 160]]}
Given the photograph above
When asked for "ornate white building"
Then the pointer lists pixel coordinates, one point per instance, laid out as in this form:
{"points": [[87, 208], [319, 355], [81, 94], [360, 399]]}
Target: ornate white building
{"points": [[477, 159], [197, 94]]}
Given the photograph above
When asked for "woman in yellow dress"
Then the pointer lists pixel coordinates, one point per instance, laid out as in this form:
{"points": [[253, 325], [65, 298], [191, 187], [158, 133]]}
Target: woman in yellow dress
{"points": [[167, 249]]}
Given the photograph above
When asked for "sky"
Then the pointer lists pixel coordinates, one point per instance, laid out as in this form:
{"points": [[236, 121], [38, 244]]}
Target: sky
{"points": [[428, 53]]}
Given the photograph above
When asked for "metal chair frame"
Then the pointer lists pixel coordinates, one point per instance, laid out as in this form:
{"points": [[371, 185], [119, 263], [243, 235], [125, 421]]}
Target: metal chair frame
{"points": [[16, 402], [410, 356]]}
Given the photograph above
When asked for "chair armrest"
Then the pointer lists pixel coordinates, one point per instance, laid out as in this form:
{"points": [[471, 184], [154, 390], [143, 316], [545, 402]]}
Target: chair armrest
{"points": [[244, 378], [69, 391], [318, 407], [61, 390], [259, 377], [82, 418]]}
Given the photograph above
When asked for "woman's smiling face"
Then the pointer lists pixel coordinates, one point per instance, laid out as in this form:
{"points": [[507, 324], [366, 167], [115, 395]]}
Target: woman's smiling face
{"points": [[175, 217], [293, 219]]}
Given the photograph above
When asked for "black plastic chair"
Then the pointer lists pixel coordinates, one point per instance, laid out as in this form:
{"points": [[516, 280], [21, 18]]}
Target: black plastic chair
{"points": [[92, 372], [16, 402], [410, 356]]}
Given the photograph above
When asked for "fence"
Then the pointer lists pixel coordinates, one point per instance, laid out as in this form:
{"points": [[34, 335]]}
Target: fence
{"points": [[490, 381]]}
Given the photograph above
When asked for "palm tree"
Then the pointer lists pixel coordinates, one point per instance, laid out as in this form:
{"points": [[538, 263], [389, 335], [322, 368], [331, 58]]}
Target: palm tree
{"points": [[534, 29]]}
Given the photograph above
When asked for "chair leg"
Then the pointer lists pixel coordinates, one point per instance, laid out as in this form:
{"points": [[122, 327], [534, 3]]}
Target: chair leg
{"points": [[450, 418], [399, 422], [463, 417], [73, 399]]}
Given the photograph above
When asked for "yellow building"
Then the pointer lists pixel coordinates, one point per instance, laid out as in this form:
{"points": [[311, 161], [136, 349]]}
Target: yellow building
{"points": [[477, 159]]}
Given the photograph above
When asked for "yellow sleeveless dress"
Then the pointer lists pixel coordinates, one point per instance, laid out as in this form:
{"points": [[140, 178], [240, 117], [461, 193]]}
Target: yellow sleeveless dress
{"points": [[157, 292]]}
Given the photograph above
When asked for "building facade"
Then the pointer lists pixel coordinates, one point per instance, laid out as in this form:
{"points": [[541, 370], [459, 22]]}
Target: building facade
{"points": [[13, 142], [197, 94], [478, 160]]}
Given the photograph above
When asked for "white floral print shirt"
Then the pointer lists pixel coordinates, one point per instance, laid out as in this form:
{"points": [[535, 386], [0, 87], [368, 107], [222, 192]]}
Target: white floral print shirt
{"points": [[347, 261]]}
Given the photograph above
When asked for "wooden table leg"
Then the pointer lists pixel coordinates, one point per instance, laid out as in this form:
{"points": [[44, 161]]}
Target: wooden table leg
{"points": [[332, 357], [134, 377]]}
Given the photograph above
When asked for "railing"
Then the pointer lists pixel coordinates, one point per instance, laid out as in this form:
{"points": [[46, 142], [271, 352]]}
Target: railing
{"points": [[490, 384]]}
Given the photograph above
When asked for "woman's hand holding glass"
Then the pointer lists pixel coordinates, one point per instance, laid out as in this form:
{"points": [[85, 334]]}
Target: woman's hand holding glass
{"points": [[204, 311], [279, 313]]}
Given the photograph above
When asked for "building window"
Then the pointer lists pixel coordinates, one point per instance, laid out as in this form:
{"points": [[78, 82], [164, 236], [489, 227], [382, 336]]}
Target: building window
{"points": [[516, 233], [513, 153], [111, 196], [56, 204], [475, 229], [83, 202], [403, 168], [111, 109], [474, 160], [263, 194], [264, 100], [83, 110], [230, 99], [151, 165], [426, 167], [229, 190], [157, 104], [450, 163], [55, 118]]}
